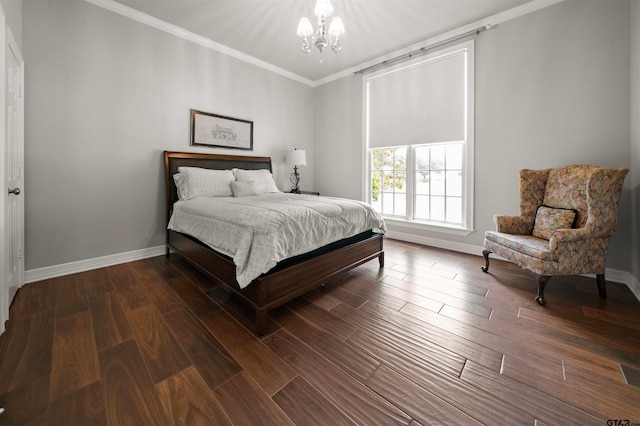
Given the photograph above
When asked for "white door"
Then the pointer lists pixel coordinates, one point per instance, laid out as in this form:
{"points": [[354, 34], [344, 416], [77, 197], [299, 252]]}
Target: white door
{"points": [[13, 135]]}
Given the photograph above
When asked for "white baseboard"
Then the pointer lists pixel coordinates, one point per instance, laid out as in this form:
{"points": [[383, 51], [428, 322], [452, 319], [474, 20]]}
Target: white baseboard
{"points": [[613, 275], [435, 242], [33, 275], [634, 286], [54, 271]]}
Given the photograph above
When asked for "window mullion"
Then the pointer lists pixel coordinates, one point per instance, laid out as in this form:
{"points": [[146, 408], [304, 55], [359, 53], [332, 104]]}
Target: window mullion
{"points": [[444, 174], [410, 182]]}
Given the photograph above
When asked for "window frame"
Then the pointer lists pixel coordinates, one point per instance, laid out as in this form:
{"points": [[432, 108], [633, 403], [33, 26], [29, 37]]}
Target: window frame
{"points": [[394, 171], [467, 199]]}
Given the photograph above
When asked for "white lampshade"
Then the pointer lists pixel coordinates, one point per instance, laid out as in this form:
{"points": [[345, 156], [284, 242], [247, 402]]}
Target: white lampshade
{"points": [[304, 28], [297, 157], [336, 28], [323, 8]]}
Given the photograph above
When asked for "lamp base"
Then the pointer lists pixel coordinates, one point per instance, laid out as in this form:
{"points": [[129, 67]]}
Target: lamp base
{"points": [[294, 178]]}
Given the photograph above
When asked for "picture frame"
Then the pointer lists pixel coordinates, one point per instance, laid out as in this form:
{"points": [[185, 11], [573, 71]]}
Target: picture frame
{"points": [[208, 129]]}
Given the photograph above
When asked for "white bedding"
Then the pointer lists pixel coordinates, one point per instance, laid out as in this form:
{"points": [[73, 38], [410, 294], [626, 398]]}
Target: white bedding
{"points": [[259, 231]]}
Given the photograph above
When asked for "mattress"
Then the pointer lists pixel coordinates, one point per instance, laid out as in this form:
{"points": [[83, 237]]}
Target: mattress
{"points": [[259, 231]]}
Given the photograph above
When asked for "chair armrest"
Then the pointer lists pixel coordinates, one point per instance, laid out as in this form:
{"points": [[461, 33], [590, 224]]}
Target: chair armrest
{"points": [[515, 225], [566, 235]]}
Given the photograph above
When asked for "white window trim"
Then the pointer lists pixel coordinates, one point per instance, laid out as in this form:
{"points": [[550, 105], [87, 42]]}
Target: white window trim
{"points": [[444, 228], [469, 154]]}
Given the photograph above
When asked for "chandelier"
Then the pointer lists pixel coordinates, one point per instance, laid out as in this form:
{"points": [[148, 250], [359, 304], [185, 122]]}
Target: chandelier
{"points": [[321, 38]]}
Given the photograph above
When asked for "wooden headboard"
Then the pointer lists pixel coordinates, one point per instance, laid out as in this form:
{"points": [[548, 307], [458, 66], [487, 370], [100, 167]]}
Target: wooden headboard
{"points": [[173, 160]]}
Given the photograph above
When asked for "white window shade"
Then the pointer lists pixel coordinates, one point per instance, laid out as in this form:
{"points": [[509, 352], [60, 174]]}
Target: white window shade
{"points": [[424, 103]]}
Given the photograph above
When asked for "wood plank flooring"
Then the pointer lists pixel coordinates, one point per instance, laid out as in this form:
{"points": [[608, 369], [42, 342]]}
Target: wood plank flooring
{"points": [[429, 339]]}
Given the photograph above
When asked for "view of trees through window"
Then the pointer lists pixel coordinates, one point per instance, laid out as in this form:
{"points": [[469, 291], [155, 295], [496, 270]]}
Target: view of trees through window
{"points": [[388, 180], [418, 182]]}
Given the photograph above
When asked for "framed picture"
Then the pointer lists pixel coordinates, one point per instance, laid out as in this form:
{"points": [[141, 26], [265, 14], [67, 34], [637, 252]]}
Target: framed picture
{"points": [[219, 131]]}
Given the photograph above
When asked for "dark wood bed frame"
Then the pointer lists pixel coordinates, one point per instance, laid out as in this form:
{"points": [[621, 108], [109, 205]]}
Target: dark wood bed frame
{"points": [[289, 278]]}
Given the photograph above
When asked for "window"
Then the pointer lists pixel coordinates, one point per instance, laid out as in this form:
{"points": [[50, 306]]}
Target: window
{"points": [[388, 180], [419, 139], [438, 183]]}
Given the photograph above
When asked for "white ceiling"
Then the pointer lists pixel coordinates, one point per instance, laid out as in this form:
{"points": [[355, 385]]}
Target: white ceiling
{"points": [[266, 29]]}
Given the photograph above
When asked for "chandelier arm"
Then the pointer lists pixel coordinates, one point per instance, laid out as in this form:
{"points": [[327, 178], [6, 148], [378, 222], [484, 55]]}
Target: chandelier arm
{"points": [[306, 47], [336, 45]]}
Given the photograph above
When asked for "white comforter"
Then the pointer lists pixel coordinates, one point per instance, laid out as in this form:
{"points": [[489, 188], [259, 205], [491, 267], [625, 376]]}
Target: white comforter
{"points": [[259, 231]]}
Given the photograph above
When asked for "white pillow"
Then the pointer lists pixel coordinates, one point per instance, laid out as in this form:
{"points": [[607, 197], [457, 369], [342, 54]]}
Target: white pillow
{"points": [[180, 180], [205, 183], [262, 178], [243, 189]]}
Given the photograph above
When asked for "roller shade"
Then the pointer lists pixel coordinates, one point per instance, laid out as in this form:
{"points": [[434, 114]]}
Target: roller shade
{"points": [[422, 103]]}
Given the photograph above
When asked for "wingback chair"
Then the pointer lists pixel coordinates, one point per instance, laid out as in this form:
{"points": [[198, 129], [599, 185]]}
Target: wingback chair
{"points": [[567, 216]]}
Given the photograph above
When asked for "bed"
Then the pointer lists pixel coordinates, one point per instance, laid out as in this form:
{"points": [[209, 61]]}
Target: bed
{"points": [[290, 277]]}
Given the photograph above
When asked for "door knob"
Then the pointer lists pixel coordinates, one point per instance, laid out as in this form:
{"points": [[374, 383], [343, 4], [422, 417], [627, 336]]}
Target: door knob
{"points": [[14, 191]]}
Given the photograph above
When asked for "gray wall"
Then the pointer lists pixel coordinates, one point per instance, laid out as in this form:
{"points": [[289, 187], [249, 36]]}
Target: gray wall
{"points": [[552, 88], [13, 15], [634, 178], [105, 95], [338, 136]]}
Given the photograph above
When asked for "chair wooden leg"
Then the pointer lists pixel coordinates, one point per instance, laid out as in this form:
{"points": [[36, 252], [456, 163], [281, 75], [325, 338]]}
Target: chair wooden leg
{"points": [[542, 282], [602, 286], [485, 268]]}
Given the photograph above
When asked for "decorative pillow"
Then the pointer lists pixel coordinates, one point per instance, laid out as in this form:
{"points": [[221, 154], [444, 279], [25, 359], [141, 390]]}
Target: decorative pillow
{"points": [[243, 189], [262, 178], [205, 183], [548, 219]]}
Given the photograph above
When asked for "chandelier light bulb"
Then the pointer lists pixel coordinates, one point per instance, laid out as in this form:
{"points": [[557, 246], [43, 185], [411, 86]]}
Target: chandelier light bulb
{"points": [[304, 28], [336, 29], [323, 8]]}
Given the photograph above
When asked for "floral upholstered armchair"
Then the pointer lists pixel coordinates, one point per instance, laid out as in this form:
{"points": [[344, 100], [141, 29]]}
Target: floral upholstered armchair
{"points": [[567, 216]]}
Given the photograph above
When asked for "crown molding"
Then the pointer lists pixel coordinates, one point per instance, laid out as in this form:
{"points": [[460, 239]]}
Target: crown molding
{"points": [[491, 21], [159, 24]]}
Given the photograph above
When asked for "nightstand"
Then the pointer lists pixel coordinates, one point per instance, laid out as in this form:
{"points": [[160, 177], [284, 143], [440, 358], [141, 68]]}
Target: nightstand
{"points": [[309, 193]]}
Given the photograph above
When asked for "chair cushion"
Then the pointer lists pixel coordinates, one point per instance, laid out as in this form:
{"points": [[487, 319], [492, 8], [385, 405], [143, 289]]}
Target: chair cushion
{"points": [[525, 244], [548, 219]]}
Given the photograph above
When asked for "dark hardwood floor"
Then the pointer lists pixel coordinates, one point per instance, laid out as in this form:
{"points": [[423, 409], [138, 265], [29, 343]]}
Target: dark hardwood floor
{"points": [[429, 339]]}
